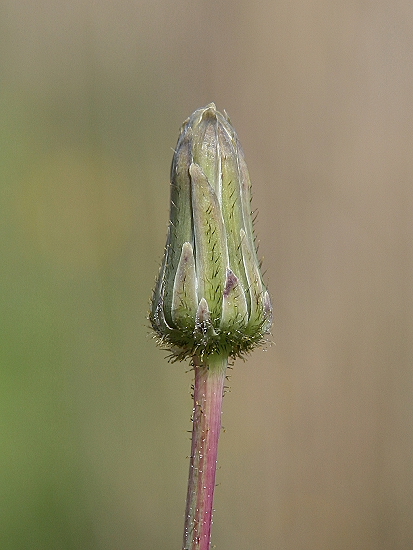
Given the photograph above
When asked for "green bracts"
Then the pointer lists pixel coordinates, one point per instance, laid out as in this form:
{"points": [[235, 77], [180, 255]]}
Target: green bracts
{"points": [[209, 297]]}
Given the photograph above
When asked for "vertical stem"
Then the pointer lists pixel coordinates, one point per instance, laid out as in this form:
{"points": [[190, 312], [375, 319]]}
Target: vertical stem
{"points": [[208, 393]]}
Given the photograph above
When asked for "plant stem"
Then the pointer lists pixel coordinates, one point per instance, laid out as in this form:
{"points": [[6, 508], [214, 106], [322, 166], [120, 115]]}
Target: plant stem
{"points": [[208, 394]]}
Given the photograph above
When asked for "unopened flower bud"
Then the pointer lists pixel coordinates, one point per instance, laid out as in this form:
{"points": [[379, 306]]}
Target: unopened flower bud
{"points": [[209, 297]]}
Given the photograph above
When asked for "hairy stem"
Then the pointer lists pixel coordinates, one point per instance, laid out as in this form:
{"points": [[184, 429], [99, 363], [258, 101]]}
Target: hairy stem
{"points": [[208, 393]]}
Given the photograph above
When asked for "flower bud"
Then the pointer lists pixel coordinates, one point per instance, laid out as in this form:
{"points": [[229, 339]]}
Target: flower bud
{"points": [[209, 297]]}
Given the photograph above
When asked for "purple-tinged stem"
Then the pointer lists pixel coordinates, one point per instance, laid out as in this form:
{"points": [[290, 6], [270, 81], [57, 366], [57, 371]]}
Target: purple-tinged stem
{"points": [[208, 394]]}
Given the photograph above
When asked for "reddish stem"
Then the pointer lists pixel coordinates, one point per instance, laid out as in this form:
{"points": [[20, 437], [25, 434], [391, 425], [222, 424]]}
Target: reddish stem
{"points": [[208, 393]]}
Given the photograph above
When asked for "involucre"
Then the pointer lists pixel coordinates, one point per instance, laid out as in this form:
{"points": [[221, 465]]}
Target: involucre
{"points": [[209, 297]]}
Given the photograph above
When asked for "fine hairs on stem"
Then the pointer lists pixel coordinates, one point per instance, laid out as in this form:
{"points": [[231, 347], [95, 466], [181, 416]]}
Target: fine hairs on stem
{"points": [[206, 428]]}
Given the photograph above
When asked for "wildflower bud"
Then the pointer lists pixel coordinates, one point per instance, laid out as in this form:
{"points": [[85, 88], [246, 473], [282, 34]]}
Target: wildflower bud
{"points": [[209, 297]]}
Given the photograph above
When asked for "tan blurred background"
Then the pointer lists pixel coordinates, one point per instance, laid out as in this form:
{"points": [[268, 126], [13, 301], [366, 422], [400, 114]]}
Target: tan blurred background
{"points": [[318, 442]]}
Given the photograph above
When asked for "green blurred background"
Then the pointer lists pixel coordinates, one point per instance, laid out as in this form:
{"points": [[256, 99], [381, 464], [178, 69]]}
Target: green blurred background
{"points": [[317, 449]]}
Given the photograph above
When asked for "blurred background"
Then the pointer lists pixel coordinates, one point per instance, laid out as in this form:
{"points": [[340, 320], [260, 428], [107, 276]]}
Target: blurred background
{"points": [[318, 443]]}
